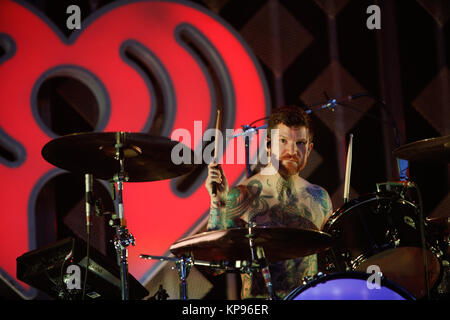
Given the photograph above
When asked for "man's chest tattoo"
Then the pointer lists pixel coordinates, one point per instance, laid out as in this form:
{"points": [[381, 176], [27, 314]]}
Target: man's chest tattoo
{"points": [[258, 203], [284, 206]]}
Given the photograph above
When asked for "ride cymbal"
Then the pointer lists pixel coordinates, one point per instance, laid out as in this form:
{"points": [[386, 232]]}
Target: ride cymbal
{"points": [[145, 157], [433, 149]]}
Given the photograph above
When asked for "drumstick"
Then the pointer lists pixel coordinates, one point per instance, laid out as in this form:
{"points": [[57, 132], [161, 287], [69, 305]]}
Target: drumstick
{"points": [[216, 141], [216, 146], [348, 170]]}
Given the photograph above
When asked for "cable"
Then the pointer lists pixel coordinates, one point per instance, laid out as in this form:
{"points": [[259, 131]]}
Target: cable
{"points": [[87, 264], [265, 118], [68, 256]]}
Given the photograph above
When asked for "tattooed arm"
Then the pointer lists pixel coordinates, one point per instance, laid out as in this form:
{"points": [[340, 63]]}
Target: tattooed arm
{"points": [[225, 214], [217, 207], [327, 207], [320, 203]]}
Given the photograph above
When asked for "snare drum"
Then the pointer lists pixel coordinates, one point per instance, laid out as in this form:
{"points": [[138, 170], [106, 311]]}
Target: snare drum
{"points": [[348, 286], [382, 229]]}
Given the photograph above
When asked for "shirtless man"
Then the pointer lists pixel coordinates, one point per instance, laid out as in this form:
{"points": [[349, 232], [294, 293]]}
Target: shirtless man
{"points": [[277, 196]]}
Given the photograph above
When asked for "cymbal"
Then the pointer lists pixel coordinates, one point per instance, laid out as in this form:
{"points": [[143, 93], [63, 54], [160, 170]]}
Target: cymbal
{"points": [[233, 244], [146, 157], [433, 149]]}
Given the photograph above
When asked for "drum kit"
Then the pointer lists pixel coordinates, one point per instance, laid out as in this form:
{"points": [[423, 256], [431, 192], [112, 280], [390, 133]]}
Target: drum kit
{"points": [[385, 229]]}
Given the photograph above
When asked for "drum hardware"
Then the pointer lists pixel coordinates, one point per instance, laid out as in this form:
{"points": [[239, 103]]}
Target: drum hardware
{"points": [[261, 259], [117, 157], [247, 130], [409, 221], [337, 233], [308, 279], [161, 294], [384, 206], [251, 236], [251, 248], [264, 269], [184, 264], [369, 236], [398, 189], [393, 238], [401, 191], [329, 264]]}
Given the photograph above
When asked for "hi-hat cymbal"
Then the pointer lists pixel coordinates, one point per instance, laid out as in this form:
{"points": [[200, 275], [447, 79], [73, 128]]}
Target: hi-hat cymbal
{"points": [[433, 149], [146, 157], [233, 244]]}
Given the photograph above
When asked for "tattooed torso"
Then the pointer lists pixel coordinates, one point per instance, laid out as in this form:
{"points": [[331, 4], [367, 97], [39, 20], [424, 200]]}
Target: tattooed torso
{"points": [[274, 201]]}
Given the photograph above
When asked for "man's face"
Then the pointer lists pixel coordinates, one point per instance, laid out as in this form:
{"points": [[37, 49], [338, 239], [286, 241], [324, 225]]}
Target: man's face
{"points": [[293, 149]]}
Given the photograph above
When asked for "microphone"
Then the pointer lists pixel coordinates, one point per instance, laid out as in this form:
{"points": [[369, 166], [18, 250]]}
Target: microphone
{"points": [[332, 103], [356, 96], [88, 183]]}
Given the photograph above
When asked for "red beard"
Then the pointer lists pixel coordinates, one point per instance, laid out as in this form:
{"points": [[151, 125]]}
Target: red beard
{"points": [[290, 165]]}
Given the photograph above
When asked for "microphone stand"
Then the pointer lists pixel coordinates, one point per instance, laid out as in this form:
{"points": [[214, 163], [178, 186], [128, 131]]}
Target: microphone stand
{"points": [[247, 131], [88, 182]]}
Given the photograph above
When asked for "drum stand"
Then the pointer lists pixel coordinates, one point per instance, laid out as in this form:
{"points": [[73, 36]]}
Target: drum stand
{"points": [[262, 264], [183, 265], [123, 238]]}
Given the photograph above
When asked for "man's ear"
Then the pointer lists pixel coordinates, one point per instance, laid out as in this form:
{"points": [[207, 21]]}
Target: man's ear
{"points": [[311, 145]]}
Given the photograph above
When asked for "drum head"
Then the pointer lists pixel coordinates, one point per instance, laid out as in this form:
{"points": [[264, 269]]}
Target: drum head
{"points": [[349, 286]]}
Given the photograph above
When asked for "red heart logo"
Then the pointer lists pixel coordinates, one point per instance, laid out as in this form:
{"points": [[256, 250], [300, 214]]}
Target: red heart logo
{"points": [[162, 34]]}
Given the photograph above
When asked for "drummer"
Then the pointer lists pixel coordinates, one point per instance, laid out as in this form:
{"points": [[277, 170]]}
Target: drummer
{"points": [[277, 197]]}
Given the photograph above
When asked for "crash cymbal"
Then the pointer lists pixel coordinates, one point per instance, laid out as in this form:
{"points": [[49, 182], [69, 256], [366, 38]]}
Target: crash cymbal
{"points": [[146, 157], [233, 244], [433, 149]]}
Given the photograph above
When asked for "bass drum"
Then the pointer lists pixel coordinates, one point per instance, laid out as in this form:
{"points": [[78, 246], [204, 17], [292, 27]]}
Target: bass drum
{"points": [[349, 286], [383, 230]]}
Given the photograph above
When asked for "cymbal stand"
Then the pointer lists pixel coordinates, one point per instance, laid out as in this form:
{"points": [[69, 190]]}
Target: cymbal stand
{"points": [[122, 238], [183, 264], [263, 266], [250, 237]]}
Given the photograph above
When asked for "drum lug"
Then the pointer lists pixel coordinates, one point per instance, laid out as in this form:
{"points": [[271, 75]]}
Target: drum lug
{"points": [[383, 207], [348, 262], [336, 233], [392, 236], [308, 279], [345, 255], [330, 266], [409, 221]]}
